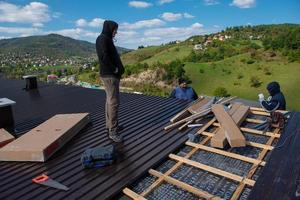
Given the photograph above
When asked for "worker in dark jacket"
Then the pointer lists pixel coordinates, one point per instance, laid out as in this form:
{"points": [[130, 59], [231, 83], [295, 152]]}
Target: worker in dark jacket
{"points": [[111, 70], [183, 91], [276, 101]]}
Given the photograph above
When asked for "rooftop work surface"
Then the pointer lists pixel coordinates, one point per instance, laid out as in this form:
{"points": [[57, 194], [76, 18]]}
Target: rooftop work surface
{"points": [[145, 142]]}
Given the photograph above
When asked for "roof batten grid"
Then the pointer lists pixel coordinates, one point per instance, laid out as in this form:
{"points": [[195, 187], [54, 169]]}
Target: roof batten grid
{"points": [[242, 181], [79, 163]]}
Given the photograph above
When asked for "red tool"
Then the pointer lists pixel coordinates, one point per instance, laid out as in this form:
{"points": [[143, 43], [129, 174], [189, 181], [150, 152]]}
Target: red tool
{"points": [[45, 180]]}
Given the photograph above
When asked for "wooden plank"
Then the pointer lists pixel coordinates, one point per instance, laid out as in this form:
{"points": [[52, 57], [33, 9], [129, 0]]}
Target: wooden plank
{"points": [[225, 153], [240, 188], [255, 121], [233, 134], [206, 126], [254, 131], [213, 170], [263, 110], [185, 112], [238, 113], [260, 113], [197, 107], [185, 186], [133, 195]]}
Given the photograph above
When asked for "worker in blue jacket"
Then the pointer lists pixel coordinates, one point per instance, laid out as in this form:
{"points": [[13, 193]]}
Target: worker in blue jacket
{"points": [[183, 91], [276, 101]]}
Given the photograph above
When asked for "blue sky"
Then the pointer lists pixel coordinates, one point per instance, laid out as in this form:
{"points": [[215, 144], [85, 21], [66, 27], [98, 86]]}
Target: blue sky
{"points": [[148, 22]]}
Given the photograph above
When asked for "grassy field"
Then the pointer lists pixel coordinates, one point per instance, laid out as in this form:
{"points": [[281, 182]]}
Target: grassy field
{"points": [[235, 75], [168, 55], [153, 54]]}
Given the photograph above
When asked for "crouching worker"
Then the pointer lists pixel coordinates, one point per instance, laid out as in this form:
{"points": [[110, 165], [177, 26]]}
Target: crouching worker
{"points": [[183, 91], [111, 70], [276, 101]]}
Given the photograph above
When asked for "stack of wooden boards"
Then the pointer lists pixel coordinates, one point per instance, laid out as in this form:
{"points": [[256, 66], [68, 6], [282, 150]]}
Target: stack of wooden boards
{"points": [[42, 142], [196, 111], [229, 118]]}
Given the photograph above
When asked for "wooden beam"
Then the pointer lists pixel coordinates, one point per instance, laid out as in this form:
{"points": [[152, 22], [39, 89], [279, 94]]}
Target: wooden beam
{"points": [[238, 112], [213, 170], [207, 125], [133, 195], [232, 132], [240, 188], [184, 125], [255, 121], [185, 186], [226, 153], [260, 113], [253, 144], [254, 131], [263, 110]]}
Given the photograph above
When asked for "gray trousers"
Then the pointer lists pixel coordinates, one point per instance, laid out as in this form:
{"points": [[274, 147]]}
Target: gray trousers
{"points": [[111, 85]]}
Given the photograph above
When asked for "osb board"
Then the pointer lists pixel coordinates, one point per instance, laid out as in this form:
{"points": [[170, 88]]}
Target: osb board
{"points": [[5, 137], [44, 140]]}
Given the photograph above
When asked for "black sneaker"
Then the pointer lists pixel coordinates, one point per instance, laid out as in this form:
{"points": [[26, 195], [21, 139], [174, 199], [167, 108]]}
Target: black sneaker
{"points": [[120, 128], [115, 137]]}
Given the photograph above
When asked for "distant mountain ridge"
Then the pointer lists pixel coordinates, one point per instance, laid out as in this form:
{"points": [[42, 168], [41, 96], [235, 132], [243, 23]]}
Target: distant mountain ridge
{"points": [[52, 45]]}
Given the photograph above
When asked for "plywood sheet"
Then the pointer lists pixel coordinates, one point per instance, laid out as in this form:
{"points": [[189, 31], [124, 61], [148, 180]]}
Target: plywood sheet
{"points": [[43, 141], [5, 137]]}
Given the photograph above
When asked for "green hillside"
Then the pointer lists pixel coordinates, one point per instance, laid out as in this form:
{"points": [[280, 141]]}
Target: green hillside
{"points": [[263, 53], [52, 45]]}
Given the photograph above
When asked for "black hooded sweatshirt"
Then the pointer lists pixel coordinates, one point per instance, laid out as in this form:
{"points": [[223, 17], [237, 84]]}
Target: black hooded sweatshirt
{"points": [[276, 101], [109, 59]]}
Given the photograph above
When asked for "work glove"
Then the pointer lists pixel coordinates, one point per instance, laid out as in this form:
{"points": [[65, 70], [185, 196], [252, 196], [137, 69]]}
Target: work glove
{"points": [[261, 97]]}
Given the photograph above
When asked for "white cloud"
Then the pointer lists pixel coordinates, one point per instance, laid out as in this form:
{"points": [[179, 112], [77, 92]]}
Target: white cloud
{"points": [[158, 36], [81, 23], [4, 37], [243, 3], [34, 12], [20, 31], [210, 2], [96, 23], [188, 16], [152, 23], [176, 32], [168, 16], [77, 33], [171, 17], [39, 25], [139, 4], [161, 2]]}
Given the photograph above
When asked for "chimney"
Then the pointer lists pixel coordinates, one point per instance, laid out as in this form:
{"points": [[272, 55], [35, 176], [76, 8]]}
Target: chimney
{"points": [[6, 114]]}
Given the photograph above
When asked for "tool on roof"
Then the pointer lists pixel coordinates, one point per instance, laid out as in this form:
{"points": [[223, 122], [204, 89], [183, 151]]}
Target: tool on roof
{"points": [[47, 181]]}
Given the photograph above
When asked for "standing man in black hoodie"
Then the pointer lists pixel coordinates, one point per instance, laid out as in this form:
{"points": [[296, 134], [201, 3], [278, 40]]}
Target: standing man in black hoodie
{"points": [[111, 70]]}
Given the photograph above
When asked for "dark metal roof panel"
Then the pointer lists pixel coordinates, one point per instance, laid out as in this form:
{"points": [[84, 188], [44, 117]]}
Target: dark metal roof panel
{"points": [[145, 143]]}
